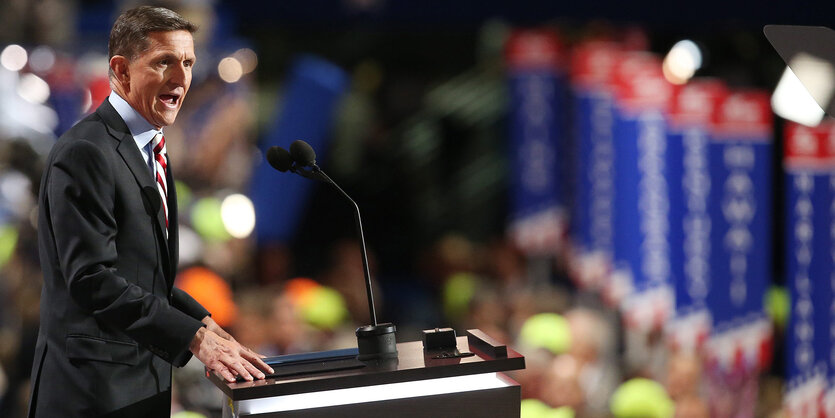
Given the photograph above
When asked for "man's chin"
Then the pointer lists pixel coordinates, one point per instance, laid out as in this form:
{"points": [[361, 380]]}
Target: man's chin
{"points": [[166, 119]]}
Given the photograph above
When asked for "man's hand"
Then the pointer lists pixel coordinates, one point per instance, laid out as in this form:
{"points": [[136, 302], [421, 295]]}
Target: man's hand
{"points": [[211, 325], [227, 357]]}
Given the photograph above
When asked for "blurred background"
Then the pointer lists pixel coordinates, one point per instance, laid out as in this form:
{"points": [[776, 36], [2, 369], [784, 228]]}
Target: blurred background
{"points": [[636, 196]]}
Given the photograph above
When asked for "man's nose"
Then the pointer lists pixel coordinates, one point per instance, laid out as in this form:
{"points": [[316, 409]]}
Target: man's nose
{"points": [[178, 75]]}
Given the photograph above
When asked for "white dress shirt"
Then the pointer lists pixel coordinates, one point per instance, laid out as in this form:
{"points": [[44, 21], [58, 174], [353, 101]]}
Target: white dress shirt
{"points": [[141, 130]]}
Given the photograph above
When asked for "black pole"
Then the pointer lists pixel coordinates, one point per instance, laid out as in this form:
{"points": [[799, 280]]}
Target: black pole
{"points": [[358, 221]]}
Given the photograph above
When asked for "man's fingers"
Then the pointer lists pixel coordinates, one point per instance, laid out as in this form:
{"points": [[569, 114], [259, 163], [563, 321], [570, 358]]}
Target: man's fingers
{"points": [[227, 375], [238, 367], [255, 359], [254, 371], [230, 358]]}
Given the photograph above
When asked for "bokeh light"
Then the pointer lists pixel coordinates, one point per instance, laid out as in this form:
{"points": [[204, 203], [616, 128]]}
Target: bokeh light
{"points": [[793, 102], [33, 89], [682, 62], [8, 242], [191, 245], [230, 70], [641, 397], [238, 215], [42, 59], [546, 330], [207, 220], [13, 57], [247, 58]]}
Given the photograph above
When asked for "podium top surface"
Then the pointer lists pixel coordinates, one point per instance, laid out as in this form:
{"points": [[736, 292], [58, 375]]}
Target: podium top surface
{"points": [[411, 364]]}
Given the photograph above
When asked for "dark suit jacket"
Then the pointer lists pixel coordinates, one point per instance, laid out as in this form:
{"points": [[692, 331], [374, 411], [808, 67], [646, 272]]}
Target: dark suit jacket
{"points": [[112, 324]]}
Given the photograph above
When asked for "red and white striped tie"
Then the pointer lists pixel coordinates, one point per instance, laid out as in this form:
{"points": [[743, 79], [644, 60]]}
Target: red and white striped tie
{"points": [[161, 170]]}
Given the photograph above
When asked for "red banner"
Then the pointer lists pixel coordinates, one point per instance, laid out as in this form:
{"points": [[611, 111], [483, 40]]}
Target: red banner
{"points": [[745, 114], [697, 102], [535, 49], [640, 83], [807, 147]]}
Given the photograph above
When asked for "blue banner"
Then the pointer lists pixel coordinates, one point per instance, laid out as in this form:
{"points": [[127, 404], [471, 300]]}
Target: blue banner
{"points": [[810, 171], [643, 203], [740, 212], [592, 219], [538, 143], [689, 138], [740, 200], [642, 199], [312, 90], [809, 267], [740, 215]]}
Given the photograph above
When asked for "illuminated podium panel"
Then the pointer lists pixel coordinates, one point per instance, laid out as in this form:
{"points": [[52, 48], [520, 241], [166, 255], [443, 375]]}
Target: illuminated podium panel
{"points": [[416, 384]]}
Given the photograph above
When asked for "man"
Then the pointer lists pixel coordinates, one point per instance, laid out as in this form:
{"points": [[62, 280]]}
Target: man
{"points": [[111, 322]]}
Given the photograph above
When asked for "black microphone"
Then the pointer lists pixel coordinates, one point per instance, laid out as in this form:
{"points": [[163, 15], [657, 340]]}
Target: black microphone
{"points": [[279, 158], [303, 153], [376, 340]]}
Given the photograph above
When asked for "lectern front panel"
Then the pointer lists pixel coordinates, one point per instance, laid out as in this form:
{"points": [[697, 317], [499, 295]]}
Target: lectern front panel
{"points": [[482, 395], [418, 383]]}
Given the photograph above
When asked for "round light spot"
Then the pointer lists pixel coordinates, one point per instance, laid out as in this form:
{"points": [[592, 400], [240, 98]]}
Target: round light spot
{"points": [[42, 59], [13, 57], [238, 215], [247, 58], [33, 89], [683, 60], [207, 220], [230, 70]]}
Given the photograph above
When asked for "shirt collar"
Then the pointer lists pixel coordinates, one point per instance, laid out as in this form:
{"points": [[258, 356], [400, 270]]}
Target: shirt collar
{"points": [[142, 131]]}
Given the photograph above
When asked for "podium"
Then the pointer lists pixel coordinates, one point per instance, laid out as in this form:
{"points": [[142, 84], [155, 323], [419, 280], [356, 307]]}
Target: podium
{"points": [[418, 383]]}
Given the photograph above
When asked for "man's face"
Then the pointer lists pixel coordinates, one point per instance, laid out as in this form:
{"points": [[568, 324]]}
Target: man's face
{"points": [[160, 76]]}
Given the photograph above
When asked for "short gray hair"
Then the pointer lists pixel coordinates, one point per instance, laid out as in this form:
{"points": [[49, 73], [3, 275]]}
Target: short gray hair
{"points": [[129, 36]]}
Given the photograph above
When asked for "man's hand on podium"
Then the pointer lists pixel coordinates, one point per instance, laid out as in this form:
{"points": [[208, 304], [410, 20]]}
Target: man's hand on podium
{"points": [[211, 325], [222, 354]]}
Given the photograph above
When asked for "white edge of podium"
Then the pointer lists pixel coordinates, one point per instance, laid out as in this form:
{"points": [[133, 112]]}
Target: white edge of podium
{"points": [[366, 394]]}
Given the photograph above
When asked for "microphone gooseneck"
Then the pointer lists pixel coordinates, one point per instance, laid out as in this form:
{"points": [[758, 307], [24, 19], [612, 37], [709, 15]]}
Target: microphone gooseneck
{"points": [[301, 160], [358, 221], [376, 341]]}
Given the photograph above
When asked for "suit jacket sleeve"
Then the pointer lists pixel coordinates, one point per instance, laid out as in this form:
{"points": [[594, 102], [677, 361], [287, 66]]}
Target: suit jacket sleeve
{"points": [[184, 302], [81, 204]]}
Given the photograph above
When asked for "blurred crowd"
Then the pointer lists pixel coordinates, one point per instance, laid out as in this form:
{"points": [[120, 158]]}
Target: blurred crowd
{"points": [[284, 297]]}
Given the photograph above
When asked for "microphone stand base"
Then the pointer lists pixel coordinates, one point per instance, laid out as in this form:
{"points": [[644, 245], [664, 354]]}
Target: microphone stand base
{"points": [[376, 342]]}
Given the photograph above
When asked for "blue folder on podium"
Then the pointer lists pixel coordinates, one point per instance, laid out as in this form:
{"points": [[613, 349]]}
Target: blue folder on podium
{"points": [[315, 362]]}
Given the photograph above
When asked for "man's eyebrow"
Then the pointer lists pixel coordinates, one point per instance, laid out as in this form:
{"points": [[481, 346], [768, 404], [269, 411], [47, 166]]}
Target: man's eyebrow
{"points": [[164, 54], [175, 56]]}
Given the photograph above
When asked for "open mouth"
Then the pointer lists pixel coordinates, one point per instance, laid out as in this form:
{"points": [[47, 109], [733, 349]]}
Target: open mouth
{"points": [[170, 99]]}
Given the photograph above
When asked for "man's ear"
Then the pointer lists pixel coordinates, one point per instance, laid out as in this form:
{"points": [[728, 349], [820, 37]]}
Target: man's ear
{"points": [[119, 69]]}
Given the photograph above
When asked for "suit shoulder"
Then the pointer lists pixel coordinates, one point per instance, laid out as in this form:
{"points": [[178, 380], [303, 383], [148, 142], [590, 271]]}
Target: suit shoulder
{"points": [[87, 138], [78, 152], [91, 128]]}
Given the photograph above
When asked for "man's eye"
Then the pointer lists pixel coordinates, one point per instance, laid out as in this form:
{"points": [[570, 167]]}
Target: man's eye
{"points": [[163, 62]]}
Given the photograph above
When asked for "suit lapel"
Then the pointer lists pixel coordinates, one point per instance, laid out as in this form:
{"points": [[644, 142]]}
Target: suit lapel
{"points": [[133, 159]]}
